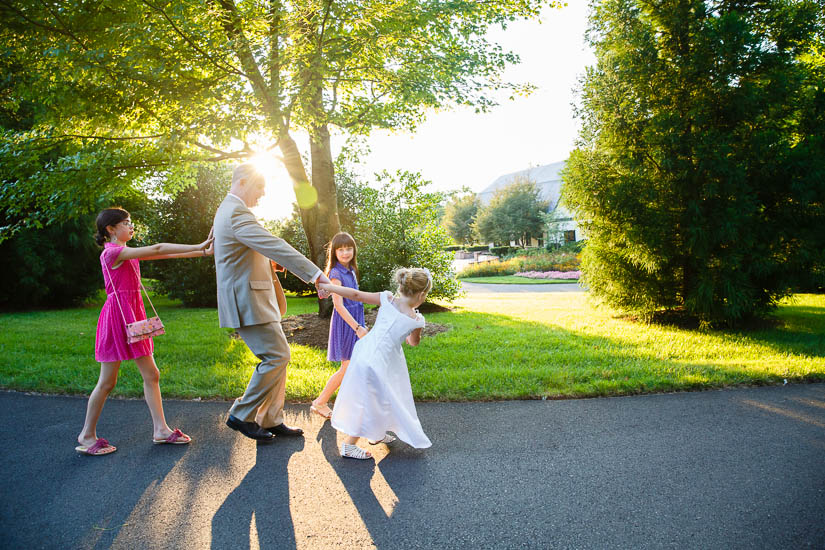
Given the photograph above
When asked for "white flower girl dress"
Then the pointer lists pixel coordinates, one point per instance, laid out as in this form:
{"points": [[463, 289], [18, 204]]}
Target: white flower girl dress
{"points": [[375, 396]]}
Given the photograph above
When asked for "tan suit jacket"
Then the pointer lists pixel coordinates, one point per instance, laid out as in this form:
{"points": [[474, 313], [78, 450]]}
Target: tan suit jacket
{"points": [[243, 248]]}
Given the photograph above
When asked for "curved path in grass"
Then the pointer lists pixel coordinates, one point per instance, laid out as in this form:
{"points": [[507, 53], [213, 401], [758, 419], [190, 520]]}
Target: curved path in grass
{"points": [[479, 288]]}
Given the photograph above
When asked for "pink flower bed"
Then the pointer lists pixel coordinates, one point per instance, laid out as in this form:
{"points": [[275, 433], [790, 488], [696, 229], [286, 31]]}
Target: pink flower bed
{"points": [[550, 274]]}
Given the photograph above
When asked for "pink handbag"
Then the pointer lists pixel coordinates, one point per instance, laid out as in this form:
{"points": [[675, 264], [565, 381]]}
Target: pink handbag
{"points": [[139, 330]]}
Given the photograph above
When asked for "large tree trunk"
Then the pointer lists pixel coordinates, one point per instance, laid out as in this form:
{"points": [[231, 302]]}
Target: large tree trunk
{"points": [[323, 180], [320, 221]]}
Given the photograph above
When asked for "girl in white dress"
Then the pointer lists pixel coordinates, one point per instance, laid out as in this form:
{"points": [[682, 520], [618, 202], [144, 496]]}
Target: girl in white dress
{"points": [[375, 395]]}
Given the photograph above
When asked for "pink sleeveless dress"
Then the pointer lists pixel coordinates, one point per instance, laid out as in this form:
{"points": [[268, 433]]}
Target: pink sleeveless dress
{"points": [[110, 342]]}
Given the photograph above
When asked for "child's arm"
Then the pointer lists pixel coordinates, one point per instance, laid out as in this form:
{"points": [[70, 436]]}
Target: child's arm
{"points": [[415, 337], [164, 251], [357, 295], [338, 303]]}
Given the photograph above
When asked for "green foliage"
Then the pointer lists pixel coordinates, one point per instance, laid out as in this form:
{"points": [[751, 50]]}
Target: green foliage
{"points": [[54, 262], [502, 250], [187, 219], [515, 213], [538, 260], [127, 89], [459, 215], [396, 225], [56, 266], [700, 172]]}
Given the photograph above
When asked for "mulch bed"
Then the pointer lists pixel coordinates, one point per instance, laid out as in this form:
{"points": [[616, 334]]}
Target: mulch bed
{"points": [[310, 330]]}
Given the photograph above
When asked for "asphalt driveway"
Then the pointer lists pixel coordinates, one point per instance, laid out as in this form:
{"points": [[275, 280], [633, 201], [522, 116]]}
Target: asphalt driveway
{"points": [[739, 468]]}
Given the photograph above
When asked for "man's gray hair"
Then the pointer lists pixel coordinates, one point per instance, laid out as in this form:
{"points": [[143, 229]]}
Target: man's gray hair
{"points": [[246, 171]]}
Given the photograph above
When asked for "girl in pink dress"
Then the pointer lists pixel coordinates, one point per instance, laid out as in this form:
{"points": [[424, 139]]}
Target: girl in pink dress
{"points": [[121, 275]]}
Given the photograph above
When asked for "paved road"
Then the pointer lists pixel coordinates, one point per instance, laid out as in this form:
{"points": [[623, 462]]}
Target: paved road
{"points": [[474, 288], [742, 468]]}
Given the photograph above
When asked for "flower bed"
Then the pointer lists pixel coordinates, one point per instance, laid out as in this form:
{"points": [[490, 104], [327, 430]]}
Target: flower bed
{"points": [[550, 274], [546, 261]]}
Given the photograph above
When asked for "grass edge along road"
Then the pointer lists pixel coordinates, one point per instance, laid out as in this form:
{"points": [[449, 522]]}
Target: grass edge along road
{"points": [[528, 345]]}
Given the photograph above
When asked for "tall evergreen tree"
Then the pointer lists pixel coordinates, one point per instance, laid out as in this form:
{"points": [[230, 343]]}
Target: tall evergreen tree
{"points": [[700, 172]]}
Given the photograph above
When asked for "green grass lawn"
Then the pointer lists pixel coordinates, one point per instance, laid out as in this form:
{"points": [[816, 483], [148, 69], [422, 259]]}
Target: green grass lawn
{"points": [[513, 280], [526, 345]]}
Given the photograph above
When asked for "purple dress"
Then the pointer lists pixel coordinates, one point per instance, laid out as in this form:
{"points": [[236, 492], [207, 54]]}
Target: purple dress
{"points": [[110, 341], [341, 337]]}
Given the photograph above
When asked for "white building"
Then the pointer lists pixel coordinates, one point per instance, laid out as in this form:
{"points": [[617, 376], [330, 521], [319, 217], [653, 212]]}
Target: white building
{"points": [[548, 179]]}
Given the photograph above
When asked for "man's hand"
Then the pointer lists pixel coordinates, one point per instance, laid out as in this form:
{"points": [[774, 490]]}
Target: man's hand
{"points": [[322, 294]]}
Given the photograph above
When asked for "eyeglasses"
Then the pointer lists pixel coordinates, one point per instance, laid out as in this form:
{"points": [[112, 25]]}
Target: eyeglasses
{"points": [[127, 223]]}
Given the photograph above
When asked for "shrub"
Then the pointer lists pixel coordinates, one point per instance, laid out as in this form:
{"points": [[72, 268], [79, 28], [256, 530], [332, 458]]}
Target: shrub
{"points": [[502, 250], [397, 226], [56, 266]]}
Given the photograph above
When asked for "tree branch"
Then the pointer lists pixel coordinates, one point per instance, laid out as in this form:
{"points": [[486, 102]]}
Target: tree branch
{"points": [[232, 27], [228, 68]]}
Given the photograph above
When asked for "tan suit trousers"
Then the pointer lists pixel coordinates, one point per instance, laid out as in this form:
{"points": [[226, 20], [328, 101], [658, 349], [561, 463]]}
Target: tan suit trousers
{"points": [[263, 400]]}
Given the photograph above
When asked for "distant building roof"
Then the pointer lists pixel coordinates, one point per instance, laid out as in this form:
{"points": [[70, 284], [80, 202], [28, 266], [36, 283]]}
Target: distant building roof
{"points": [[547, 177]]}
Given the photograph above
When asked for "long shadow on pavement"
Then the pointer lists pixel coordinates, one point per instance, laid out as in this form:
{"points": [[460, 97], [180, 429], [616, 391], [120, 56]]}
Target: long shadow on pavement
{"points": [[259, 505]]}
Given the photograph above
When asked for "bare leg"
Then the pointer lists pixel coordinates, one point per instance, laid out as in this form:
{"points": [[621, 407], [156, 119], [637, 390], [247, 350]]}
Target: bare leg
{"points": [[151, 392], [333, 384], [105, 384]]}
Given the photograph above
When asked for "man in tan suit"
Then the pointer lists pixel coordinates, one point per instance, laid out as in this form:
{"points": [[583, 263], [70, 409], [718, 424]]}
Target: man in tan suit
{"points": [[247, 302]]}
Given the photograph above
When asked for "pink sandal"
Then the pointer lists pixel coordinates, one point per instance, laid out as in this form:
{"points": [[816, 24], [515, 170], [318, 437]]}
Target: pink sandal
{"points": [[99, 447], [175, 438]]}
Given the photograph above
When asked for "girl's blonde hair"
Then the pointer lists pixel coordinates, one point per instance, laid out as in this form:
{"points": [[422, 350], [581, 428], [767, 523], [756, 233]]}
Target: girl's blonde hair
{"points": [[342, 240], [412, 281]]}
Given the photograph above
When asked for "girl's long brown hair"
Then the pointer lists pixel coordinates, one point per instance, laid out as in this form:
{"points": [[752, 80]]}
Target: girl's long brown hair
{"points": [[342, 240]]}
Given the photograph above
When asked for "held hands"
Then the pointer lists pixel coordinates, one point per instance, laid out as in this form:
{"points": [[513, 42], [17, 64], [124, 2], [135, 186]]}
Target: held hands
{"points": [[361, 331], [321, 282]]}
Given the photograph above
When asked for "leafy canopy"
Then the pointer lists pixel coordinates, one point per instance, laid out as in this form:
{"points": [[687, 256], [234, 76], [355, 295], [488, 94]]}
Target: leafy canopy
{"points": [[136, 89]]}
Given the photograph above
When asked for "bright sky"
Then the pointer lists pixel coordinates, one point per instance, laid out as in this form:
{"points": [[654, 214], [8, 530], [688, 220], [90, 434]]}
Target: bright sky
{"points": [[460, 148]]}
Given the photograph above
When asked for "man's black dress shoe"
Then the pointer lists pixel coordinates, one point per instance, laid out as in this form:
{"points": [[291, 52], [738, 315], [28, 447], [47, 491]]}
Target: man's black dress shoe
{"points": [[249, 429], [283, 429]]}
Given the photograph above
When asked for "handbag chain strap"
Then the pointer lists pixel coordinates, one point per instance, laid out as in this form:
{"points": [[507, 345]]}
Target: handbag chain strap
{"points": [[114, 290]]}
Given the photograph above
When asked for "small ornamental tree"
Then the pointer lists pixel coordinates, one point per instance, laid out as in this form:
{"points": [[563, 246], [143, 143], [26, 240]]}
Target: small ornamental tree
{"points": [[515, 213], [459, 216]]}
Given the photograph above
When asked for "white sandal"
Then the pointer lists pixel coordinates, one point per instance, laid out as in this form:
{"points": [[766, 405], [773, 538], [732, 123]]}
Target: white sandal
{"points": [[354, 451], [387, 439]]}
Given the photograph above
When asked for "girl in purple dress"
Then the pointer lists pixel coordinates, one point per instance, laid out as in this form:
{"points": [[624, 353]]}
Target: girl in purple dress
{"points": [[347, 324], [121, 276]]}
